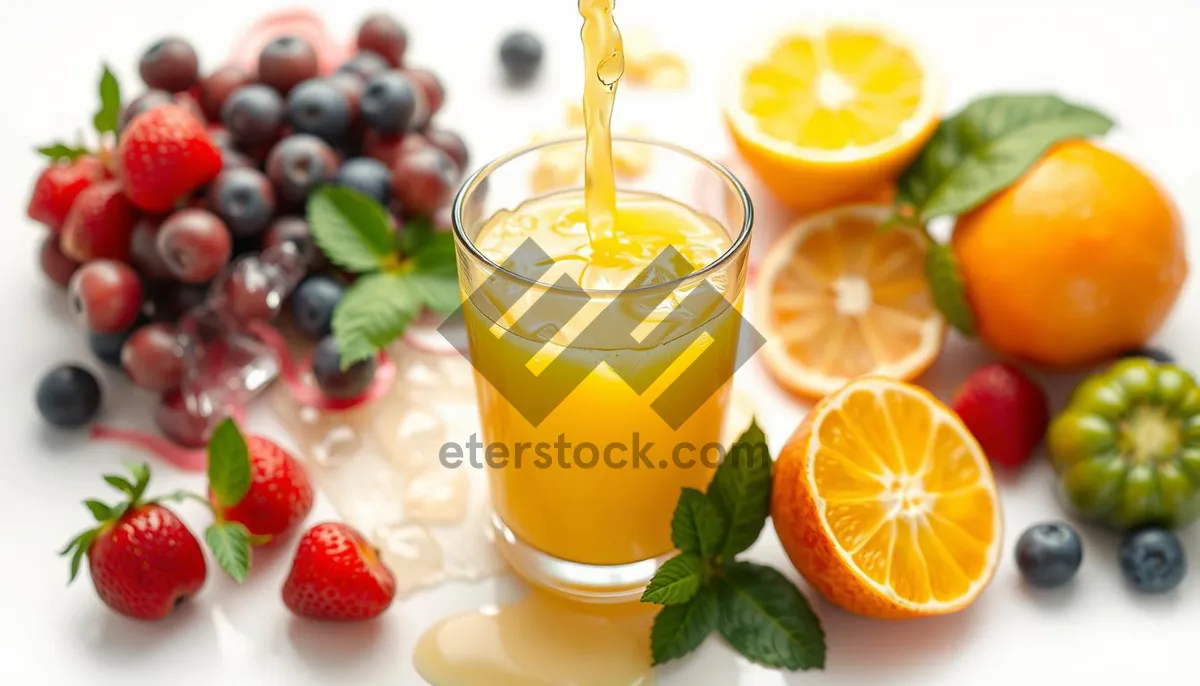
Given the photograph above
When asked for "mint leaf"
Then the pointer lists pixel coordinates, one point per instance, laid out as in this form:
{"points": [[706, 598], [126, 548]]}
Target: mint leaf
{"points": [[677, 581], [439, 293], [946, 285], [228, 464], [372, 313], [680, 629], [416, 233], [987, 146], [230, 544], [437, 256], [351, 229], [697, 525], [100, 511], [766, 618], [107, 117], [741, 490], [62, 151]]}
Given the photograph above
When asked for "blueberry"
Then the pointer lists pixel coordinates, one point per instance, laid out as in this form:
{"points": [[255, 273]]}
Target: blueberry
{"points": [[298, 164], [370, 177], [366, 65], [1151, 353], [332, 380], [389, 102], [253, 115], [1152, 560], [1049, 554], [319, 107], [244, 200], [170, 65], [313, 303], [521, 55], [107, 346], [68, 396]]}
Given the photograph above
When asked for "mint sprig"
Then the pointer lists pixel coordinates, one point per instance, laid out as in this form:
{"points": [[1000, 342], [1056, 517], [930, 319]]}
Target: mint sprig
{"points": [[758, 611], [229, 477], [104, 121], [400, 273]]}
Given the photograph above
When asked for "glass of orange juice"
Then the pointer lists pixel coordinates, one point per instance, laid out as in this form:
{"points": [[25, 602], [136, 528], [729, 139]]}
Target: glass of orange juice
{"points": [[603, 358]]}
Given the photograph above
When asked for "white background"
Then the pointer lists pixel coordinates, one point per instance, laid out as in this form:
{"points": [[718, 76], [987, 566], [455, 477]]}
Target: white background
{"points": [[1140, 61]]}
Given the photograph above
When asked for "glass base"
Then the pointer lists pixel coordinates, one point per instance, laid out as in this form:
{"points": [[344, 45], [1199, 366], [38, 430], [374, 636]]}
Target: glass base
{"points": [[574, 580]]}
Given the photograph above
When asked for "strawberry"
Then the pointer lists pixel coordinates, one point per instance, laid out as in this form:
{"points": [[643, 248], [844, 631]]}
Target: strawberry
{"points": [[165, 154], [59, 185], [1005, 410], [279, 497], [337, 575], [100, 225], [143, 560]]}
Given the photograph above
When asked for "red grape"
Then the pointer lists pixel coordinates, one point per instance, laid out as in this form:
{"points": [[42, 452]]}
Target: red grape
{"points": [[384, 36], [450, 143], [144, 249], [106, 295], [194, 244], [424, 180], [58, 267], [153, 357], [431, 86]]}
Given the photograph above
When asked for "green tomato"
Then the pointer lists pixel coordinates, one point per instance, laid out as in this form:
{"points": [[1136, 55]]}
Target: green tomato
{"points": [[1127, 447]]}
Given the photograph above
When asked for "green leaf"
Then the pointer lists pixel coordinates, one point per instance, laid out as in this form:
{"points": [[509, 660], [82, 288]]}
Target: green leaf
{"points": [[416, 233], [439, 293], [77, 548], [120, 483], [230, 544], [108, 115], [988, 145], [680, 629], [741, 490], [141, 479], [372, 313], [99, 510], [228, 464], [62, 151], [677, 581], [697, 525], [946, 284], [766, 618], [352, 230]]}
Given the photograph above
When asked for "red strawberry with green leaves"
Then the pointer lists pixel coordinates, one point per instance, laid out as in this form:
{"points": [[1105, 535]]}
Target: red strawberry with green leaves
{"points": [[143, 560], [60, 184], [257, 491], [73, 167], [337, 575], [100, 225], [164, 155]]}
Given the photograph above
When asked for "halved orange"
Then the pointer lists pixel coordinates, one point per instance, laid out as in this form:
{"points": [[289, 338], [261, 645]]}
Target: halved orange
{"points": [[838, 297], [885, 503], [829, 114]]}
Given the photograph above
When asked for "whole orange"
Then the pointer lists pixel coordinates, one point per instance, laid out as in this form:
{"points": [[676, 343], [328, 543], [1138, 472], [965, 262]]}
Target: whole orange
{"points": [[1081, 258]]}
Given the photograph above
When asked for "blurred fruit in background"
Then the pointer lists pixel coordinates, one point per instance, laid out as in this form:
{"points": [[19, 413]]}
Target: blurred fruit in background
{"points": [[1081, 258], [832, 115]]}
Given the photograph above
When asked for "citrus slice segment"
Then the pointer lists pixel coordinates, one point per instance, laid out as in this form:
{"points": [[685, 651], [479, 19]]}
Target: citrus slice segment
{"points": [[838, 297], [886, 504], [828, 114]]}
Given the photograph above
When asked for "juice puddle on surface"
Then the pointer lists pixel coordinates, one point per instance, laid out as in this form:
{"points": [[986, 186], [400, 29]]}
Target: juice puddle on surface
{"points": [[540, 640]]}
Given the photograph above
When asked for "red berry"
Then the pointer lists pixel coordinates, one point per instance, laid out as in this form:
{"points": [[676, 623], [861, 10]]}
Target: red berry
{"points": [[170, 64], [431, 86], [57, 188], [1005, 410], [153, 357], [194, 244], [217, 86], [165, 154], [146, 563], [383, 147], [338, 575], [106, 295], [286, 61], [58, 267], [423, 180], [450, 143], [384, 36], [100, 225], [280, 494]]}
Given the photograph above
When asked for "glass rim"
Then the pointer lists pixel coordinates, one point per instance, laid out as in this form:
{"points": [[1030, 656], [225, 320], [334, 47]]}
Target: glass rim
{"points": [[735, 247]]}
